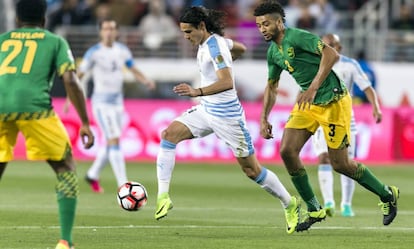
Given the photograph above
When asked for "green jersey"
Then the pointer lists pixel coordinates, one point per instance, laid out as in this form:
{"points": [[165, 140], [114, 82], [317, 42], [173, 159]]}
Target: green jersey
{"points": [[29, 59], [300, 55]]}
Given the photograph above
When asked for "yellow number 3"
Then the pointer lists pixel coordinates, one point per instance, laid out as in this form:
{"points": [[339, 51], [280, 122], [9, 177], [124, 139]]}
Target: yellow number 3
{"points": [[16, 47]]}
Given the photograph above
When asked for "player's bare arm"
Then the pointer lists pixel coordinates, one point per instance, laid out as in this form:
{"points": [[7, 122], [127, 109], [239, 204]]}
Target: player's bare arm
{"points": [[328, 59], [224, 83], [373, 100], [269, 100], [238, 50], [84, 87], [150, 84], [75, 94]]}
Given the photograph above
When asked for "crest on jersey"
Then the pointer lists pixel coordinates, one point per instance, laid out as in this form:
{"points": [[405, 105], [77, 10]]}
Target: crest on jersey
{"points": [[219, 59], [291, 52], [321, 45]]}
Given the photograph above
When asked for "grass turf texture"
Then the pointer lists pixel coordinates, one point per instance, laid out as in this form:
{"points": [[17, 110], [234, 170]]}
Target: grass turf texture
{"points": [[215, 206]]}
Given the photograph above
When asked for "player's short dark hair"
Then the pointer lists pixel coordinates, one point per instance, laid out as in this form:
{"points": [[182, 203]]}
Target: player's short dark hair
{"points": [[32, 11], [270, 7]]}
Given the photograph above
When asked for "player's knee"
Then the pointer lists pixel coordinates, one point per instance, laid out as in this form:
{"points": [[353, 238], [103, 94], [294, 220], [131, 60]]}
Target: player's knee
{"points": [[287, 153], [166, 135]]}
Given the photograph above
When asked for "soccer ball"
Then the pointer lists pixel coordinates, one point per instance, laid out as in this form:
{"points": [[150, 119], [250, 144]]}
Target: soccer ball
{"points": [[132, 196]]}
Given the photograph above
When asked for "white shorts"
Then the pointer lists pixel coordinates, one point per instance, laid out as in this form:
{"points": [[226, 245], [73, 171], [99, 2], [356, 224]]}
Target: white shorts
{"points": [[232, 131], [109, 119], [320, 146]]}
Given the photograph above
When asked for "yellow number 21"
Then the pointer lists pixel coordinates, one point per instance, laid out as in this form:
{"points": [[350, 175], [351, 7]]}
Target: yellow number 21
{"points": [[16, 47]]}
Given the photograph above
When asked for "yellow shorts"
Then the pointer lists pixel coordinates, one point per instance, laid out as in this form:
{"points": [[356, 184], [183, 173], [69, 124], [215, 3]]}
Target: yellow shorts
{"points": [[46, 139], [334, 118]]}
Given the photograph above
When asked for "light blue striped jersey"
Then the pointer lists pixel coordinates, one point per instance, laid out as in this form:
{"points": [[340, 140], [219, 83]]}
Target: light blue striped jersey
{"points": [[213, 55]]}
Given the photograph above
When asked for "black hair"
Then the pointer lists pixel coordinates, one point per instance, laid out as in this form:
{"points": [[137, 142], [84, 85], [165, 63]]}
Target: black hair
{"points": [[213, 19], [270, 7], [31, 11]]}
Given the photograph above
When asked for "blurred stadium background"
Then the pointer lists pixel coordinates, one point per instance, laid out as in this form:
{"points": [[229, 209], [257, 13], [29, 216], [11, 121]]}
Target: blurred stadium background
{"points": [[382, 30]]}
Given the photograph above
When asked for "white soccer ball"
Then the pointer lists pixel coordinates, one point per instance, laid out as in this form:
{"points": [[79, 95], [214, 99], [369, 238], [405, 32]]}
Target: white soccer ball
{"points": [[132, 196]]}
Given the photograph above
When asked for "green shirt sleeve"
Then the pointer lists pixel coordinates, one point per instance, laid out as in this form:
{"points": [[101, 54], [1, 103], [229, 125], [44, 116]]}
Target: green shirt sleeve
{"points": [[274, 70], [64, 61]]}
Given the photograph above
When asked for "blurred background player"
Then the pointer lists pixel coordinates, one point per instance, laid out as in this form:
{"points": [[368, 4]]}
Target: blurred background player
{"points": [[359, 96], [350, 72], [219, 112], [106, 60], [29, 57]]}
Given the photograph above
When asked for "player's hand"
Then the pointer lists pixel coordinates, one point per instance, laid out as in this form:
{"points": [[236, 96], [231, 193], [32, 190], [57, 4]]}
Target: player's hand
{"points": [[87, 136], [150, 84], [266, 129], [377, 116], [305, 99], [185, 89]]}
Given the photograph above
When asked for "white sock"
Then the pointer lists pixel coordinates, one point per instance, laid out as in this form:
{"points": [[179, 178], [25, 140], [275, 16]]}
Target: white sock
{"points": [[271, 183], [326, 181], [347, 188], [100, 162], [117, 160], [165, 165]]}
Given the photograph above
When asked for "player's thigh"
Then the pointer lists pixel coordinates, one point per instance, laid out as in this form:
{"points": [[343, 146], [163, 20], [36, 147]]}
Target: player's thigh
{"points": [[195, 120], [298, 129], [235, 134], [46, 139], [8, 136], [109, 119]]}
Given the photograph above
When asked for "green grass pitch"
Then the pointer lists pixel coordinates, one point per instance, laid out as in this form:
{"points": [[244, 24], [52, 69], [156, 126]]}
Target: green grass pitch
{"points": [[215, 207]]}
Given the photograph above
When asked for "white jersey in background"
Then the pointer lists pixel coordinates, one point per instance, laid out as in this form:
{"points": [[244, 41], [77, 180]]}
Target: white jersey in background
{"points": [[107, 64]]}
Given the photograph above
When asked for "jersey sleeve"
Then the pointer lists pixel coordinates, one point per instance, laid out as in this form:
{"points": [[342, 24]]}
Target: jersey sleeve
{"points": [[87, 60], [274, 70], [64, 61], [129, 59], [229, 43], [359, 77], [220, 54], [308, 42]]}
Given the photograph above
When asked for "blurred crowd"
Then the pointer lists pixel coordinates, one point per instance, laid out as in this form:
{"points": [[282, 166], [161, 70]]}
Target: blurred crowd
{"points": [[156, 20], [300, 13]]}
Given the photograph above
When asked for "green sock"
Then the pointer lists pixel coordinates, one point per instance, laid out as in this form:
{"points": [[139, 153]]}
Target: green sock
{"points": [[67, 207], [67, 190], [365, 177], [301, 182]]}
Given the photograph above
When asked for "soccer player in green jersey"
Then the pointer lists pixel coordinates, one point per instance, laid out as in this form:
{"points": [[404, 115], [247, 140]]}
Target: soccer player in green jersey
{"points": [[323, 101], [29, 58]]}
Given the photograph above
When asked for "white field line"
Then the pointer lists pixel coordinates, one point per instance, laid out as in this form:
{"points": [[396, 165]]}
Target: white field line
{"points": [[411, 229]]}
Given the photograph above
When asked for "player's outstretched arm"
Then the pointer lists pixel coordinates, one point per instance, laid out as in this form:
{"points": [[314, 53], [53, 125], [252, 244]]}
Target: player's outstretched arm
{"points": [[373, 100], [238, 50], [75, 94], [141, 78]]}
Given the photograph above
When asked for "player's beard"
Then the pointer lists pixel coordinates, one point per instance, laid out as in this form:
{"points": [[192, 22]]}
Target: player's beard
{"points": [[273, 36]]}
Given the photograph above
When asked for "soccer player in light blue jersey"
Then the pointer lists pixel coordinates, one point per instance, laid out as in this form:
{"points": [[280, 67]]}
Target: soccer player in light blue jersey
{"points": [[219, 112], [106, 60], [350, 72]]}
